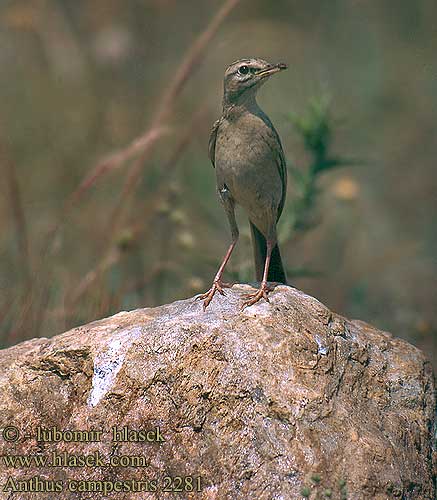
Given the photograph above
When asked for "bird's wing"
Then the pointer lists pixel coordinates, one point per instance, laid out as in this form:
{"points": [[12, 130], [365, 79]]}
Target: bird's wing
{"points": [[212, 141], [271, 137], [282, 168]]}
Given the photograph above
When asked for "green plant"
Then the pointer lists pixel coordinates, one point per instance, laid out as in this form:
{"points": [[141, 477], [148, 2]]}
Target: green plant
{"points": [[315, 127]]}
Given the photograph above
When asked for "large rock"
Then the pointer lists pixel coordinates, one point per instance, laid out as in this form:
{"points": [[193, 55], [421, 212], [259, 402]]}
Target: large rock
{"points": [[280, 401]]}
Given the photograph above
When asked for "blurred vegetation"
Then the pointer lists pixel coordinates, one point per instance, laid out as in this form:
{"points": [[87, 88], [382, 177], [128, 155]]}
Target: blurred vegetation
{"points": [[316, 130], [108, 199]]}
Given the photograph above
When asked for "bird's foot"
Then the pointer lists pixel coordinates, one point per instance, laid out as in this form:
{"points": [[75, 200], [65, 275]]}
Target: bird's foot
{"points": [[261, 293], [217, 286]]}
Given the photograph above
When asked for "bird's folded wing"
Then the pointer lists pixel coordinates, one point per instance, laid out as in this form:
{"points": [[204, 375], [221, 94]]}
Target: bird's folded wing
{"points": [[212, 141], [272, 139]]}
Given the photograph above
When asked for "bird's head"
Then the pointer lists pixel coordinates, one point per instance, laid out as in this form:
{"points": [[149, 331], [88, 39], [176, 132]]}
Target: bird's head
{"points": [[244, 77]]}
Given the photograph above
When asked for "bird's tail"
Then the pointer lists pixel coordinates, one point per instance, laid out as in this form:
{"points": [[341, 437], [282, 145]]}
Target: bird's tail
{"points": [[276, 269]]}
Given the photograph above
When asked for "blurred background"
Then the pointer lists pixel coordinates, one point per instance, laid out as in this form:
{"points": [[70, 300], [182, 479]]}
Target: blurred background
{"points": [[107, 196]]}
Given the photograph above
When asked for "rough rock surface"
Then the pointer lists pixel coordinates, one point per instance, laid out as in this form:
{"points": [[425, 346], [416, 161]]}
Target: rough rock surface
{"points": [[285, 400]]}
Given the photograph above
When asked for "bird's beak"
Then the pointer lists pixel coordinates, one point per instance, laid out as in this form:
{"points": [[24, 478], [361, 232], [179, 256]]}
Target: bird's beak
{"points": [[271, 70]]}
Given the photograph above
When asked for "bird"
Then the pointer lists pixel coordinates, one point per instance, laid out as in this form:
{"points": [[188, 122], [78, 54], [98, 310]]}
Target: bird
{"points": [[246, 151]]}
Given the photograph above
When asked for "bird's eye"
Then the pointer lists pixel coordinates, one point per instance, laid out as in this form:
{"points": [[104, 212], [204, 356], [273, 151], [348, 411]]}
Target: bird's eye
{"points": [[243, 70]]}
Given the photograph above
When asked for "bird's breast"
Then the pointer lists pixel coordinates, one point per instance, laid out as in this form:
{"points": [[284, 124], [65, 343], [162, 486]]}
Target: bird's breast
{"points": [[246, 163], [241, 147]]}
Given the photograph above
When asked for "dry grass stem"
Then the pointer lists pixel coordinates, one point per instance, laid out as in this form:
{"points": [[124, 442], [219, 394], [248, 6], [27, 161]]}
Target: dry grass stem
{"points": [[17, 212]]}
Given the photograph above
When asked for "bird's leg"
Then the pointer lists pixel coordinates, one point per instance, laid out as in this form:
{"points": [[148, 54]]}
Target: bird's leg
{"points": [[264, 288], [217, 284]]}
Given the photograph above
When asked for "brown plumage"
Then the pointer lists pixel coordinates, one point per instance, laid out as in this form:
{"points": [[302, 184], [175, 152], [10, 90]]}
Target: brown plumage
{"points": [[247, 154]]}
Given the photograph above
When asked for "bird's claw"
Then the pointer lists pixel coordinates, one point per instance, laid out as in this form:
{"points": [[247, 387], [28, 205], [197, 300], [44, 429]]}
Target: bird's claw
{"points": [[252, 298], [217, 286]]}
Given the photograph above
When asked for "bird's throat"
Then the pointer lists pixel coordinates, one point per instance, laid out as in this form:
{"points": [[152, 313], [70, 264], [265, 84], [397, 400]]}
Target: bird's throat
{"points": [[236, 103]]}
